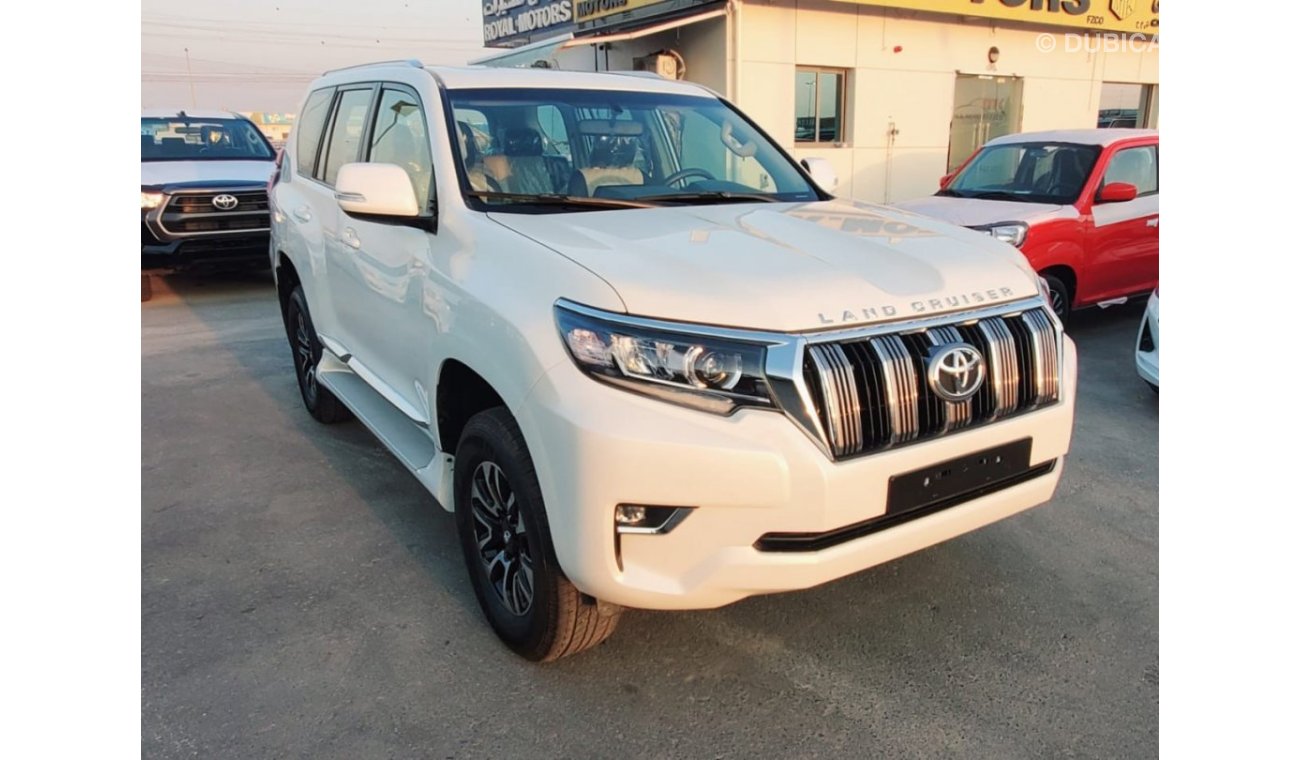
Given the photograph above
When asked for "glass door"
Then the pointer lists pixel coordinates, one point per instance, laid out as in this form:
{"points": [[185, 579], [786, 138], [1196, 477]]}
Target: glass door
{"points": [[984, 107]]}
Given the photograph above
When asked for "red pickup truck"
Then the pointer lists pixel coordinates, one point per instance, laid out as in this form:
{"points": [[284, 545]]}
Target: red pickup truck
{"points": [[1082, 205]]}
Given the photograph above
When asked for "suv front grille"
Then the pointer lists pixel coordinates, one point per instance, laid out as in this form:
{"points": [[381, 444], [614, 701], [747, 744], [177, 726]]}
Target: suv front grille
{"points": [[195, 214], [872, 394]]}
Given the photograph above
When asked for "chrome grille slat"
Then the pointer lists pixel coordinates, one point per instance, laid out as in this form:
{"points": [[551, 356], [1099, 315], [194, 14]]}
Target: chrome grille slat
{"points": [[1001, 360], [1047, 375], [900, 387], [835, 376], [192, 213], [871, 394]]}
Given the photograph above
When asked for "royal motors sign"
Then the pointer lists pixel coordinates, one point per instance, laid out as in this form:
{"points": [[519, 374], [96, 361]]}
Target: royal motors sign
{"points": [[510, 23]]}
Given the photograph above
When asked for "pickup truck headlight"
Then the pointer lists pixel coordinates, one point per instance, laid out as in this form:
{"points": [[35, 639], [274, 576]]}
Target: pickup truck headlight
{"points": [[1009, 232], [691, 368], [150, 200]]}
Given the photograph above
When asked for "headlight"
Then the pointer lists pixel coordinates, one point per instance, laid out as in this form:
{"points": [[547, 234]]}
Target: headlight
{"points": [[1010, 232], [714, 374], [150, 200]]}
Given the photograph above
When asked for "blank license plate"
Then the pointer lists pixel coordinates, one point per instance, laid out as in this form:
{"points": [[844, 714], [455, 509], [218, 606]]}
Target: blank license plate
{"points": [[946, 480]]}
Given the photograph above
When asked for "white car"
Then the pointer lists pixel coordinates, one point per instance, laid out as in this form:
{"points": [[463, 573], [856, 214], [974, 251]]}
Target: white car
{"points": [[203, 178], [1147, 352], [638, 350]]}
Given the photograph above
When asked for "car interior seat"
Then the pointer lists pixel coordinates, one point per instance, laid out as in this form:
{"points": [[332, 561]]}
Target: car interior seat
{"points": [[611, 164], [522, 168], [473, 160], [1066, 175]]}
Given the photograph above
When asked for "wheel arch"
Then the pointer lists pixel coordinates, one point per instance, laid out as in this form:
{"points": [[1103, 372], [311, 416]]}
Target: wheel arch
{"points": [[461, 393]]}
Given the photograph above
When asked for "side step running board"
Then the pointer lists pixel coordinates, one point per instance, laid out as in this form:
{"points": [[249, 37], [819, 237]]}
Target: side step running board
{"points": [[409, 442]]}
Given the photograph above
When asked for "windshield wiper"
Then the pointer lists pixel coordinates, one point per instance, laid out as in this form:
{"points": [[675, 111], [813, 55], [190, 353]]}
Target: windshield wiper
{"points": [[997, 195], [559, 199], [711, 195]]}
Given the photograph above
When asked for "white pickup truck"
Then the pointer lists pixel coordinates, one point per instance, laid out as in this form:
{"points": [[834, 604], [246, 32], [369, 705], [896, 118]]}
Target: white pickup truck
{"points": [[644, 356]]}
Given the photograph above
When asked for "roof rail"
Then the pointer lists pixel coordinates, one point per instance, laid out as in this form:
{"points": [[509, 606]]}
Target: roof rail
{"points": [[412, 62]]}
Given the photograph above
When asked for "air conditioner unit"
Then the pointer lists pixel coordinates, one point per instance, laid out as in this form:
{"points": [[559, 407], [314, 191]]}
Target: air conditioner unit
{"points": [[666, 66]]}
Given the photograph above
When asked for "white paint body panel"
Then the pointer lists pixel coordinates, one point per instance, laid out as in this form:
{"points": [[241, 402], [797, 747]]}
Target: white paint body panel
{"points": [[1148, 362], [402, 302], [156, 173]]}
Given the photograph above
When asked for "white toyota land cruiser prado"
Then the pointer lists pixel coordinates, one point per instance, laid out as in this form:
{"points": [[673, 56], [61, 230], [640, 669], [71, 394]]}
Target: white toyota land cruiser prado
{"points": [[644, 356]]}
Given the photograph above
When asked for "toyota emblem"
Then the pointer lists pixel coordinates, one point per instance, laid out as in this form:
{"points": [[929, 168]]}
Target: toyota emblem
{"points": [[225, 202], [955, 372]]}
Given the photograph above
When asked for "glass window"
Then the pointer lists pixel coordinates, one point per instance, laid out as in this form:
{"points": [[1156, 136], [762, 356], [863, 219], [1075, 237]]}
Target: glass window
{"points": [[188, 139], [1125, 105], [1138, 167], [984, 107], [310, 127], [399, 136], [628, 145], [345, 136], [819, 105], [555, 136], [1032, 172]]}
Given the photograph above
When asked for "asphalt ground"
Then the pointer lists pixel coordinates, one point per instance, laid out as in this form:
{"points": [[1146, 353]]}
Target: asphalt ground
{"points": [[302, 596]]}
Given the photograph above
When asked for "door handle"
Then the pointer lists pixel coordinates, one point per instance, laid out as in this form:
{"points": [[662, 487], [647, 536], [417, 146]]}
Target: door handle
{"points": [[350, 238], [1153, 222], [302, 213]]}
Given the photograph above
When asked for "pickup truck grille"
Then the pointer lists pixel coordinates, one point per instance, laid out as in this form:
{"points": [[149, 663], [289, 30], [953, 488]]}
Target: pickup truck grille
{"points": [[872, 394], [195, 213]]}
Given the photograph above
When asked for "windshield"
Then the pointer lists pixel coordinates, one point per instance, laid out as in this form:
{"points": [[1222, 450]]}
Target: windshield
{"points": [[187, 139], [526, 145], [1033, 172]]}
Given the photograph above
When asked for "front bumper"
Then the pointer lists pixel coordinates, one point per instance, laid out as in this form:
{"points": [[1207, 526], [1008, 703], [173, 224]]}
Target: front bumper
{"points": [[748, 475]]}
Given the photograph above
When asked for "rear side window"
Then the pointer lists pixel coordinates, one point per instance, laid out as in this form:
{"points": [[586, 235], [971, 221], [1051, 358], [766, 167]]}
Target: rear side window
{"points": [[345, 135], [311, 125]]}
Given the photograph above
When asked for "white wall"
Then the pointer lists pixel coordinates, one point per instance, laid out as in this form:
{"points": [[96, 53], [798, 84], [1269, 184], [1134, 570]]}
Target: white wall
{"points": [[913, 87]]}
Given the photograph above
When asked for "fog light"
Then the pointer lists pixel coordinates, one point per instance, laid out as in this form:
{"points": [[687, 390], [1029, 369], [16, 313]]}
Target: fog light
{"points": [[627, 514], [635, 518]]}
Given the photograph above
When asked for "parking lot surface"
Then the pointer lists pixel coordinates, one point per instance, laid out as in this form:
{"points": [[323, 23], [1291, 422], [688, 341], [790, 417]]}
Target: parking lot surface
{"points": [[303, 596]]}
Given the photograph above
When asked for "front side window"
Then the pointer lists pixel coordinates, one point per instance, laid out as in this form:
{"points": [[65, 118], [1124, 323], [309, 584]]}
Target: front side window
{"points": [[399, 136], [630, 146], [819, 105], [1032, 172], [345, 135], [182, 138], [1137, 166]]}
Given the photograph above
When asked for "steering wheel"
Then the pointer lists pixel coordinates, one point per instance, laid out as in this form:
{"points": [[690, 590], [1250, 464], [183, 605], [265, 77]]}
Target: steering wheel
{"points": [[684, 173]]}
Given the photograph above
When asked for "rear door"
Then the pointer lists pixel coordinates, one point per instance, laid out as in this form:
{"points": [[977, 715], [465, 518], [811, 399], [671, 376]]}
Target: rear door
{"points": [[1126, 236], [344, 137], [380, 266]]}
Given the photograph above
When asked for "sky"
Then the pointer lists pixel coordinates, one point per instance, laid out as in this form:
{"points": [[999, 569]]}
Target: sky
{"points": [[260, 55]]}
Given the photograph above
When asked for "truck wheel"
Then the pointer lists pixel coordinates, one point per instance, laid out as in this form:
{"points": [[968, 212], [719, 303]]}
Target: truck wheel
{"points": [[1061, 297], [322, 404], [503, 531]]}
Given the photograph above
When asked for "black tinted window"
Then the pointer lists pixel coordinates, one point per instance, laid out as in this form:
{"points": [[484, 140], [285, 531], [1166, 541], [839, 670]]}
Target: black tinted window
{"points": [[310, 127], [345, 134]]}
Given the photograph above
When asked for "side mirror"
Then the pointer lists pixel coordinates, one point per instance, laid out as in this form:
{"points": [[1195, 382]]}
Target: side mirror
{"points": [[821, 172], [1117, 192], [375, 190]]}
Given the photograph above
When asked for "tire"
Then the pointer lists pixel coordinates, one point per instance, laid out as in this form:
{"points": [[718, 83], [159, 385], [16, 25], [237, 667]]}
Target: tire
{"points": [[501, 522], [1154, 388], [1062, 298], [307, 349]]}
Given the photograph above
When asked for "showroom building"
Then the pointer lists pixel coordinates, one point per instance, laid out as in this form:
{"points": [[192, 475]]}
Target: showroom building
{"points": [[894, 93]]}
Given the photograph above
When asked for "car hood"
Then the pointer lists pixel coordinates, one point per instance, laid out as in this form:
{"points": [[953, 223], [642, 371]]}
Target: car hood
{"points": [[784, 266], [973, 212], [161, 173]]}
